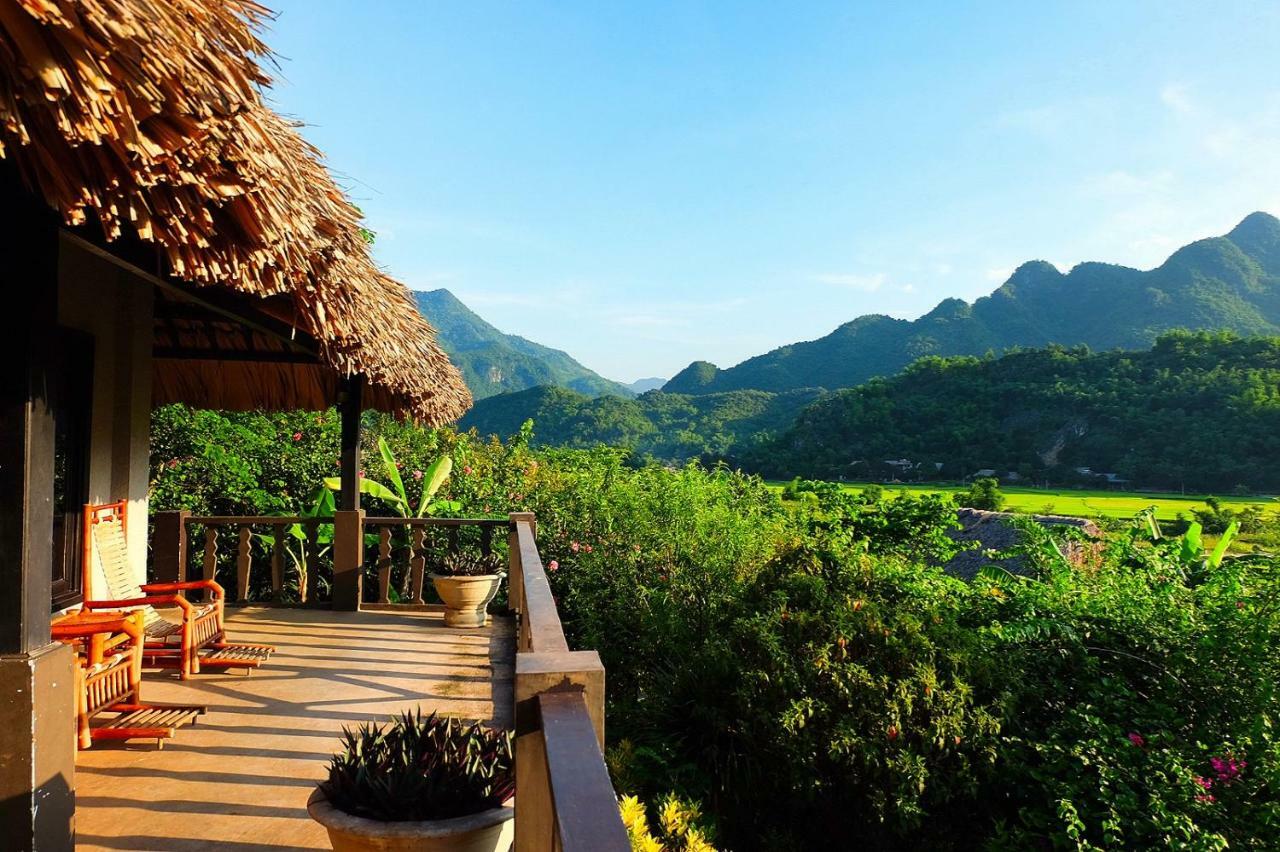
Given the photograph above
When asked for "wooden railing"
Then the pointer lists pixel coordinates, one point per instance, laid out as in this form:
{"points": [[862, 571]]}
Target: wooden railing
{"points": [[564, 799], [173, 537], [417, 549]]}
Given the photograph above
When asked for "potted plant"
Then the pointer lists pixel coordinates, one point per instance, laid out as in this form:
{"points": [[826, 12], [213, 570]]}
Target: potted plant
{"points": [[466, 583], [419, 783]]}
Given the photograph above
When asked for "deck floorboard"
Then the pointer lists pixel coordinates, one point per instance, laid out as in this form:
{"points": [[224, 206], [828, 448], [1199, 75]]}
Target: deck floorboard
{"points": [[239, 778]]}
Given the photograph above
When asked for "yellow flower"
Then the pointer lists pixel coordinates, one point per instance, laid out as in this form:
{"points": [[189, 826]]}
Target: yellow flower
{"points": [[693, 842]]}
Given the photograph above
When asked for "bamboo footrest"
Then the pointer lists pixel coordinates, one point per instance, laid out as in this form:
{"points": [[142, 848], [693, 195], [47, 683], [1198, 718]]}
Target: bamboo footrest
{"points": [[146, 721], [231, 655]]}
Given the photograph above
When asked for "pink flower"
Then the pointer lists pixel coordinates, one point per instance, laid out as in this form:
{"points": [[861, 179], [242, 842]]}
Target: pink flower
{"points": [[297, 436], [1137, 740], [360, 474], [1206, 798], [553, 565], [466, 470], [417, 474], [587, 548], [173, 463], [574, 546], [1227, 768], [1206, 783], [399, 465]]}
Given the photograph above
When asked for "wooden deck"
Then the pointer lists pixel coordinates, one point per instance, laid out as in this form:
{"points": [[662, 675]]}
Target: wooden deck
{"points": [[240, 778]]}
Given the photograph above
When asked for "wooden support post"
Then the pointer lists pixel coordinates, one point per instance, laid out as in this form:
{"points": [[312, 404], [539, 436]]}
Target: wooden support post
{"points": [[348, 559], [37, 748], [417, 563], [169, 546], [350, 407]]}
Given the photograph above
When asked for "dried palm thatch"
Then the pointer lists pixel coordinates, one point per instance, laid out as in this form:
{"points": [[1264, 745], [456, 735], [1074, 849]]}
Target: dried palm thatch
{"points": [[147, 116]]}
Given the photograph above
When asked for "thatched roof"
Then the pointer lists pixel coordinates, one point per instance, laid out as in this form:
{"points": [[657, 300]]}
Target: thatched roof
{"points": [[147, 116]]}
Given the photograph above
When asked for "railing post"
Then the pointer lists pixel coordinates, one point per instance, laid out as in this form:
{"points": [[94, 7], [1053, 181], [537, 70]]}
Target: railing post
{"points": [[515, 568], [348, 559], [169, 546]]}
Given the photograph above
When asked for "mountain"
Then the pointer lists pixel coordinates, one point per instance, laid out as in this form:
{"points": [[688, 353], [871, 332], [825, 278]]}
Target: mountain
{"points": [[493, 362], [1230, 282], [645, 385], [664, 426], [1199, 409]]}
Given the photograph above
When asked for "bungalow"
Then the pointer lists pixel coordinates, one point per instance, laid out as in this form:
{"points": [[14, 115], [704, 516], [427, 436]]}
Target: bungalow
{"points": [[171, 239]]}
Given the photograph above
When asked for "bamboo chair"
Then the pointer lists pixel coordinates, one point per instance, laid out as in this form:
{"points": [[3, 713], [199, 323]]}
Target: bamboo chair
{"points": [[108, 679], [195, 642]]}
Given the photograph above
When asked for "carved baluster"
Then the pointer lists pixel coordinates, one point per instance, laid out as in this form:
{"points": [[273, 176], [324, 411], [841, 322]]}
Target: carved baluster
{"points": [[308, 580], [210, 569], [277, 562], [243, 558], [486, 540], [384, 564], [453, 540], [417, 561]]}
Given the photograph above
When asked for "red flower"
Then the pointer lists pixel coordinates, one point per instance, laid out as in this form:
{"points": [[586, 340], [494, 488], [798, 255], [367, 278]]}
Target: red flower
{"points": [[297, 436], [1137, 739], [553, 565], [893, 732]]}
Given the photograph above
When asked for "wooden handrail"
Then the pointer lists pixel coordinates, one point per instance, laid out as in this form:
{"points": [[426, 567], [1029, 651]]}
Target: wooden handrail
{"points": [[540, 628], [565, 800], [389, 520], [586, 811]]}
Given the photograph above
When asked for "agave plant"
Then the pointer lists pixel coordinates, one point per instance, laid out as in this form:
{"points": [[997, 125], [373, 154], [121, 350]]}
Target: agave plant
{"points": [[420, 768], [469, 565]]}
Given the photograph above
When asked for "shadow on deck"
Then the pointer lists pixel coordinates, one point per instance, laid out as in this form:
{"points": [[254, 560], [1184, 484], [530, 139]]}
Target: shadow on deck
{"points": [[240, 778]]}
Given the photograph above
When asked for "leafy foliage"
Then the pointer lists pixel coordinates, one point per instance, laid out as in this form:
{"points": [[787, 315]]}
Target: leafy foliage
{"points": [[1198, 410]]}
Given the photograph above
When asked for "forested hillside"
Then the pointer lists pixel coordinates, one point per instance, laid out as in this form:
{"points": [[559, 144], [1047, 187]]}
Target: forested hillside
{"points": [[664, 426], [1230, 282], [1199, 409], [493, 362]]}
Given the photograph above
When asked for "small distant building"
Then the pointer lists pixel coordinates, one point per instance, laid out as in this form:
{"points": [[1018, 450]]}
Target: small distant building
{"points": [[988, 536], [985, 473]]}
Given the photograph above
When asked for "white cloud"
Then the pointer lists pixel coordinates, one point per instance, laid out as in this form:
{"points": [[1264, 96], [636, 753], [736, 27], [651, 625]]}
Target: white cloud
{"points": [[998, 274], [907, 288], [1175, 97], [865, 283]]}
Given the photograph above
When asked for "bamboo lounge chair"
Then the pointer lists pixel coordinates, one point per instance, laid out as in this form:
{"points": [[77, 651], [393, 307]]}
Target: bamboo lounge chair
{"points": [[108, 679], [196, 642]]}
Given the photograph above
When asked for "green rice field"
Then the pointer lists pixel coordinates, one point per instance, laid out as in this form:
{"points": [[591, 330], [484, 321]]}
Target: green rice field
{"points": [[1087, 504]]}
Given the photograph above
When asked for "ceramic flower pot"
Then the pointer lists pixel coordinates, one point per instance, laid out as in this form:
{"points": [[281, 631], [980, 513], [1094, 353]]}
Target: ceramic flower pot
{"points": [[487, 831], [465, 598]]}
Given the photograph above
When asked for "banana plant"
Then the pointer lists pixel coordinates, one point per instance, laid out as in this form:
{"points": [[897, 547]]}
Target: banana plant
{"points": [[295, 546], [432, 479]]}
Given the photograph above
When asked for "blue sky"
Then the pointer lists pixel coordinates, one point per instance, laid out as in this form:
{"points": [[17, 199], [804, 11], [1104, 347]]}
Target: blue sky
{"points": [[651, 183]]}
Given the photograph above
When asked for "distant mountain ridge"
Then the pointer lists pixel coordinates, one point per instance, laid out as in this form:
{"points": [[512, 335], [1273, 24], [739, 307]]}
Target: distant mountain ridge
{"points": [[493, 362], [663, 426], [1230, 282]]}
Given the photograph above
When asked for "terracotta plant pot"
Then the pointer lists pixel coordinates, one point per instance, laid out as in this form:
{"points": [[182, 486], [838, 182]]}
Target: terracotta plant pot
{"points": [[487, 831], [465, 598]]}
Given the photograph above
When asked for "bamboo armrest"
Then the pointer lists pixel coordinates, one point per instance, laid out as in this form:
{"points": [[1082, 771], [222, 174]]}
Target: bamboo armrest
{"points": [[188, 585], [150, 600]]}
